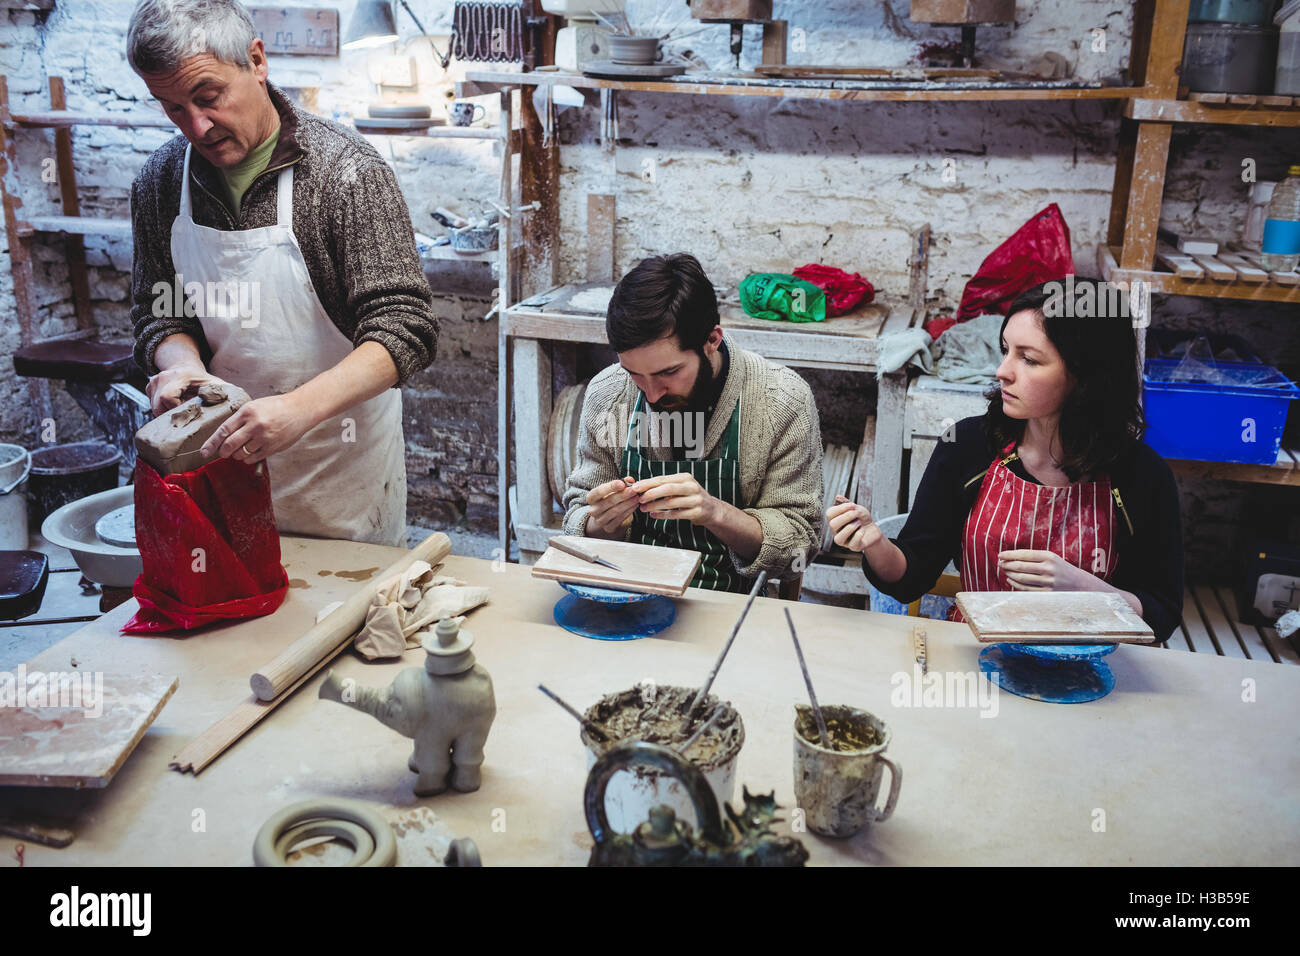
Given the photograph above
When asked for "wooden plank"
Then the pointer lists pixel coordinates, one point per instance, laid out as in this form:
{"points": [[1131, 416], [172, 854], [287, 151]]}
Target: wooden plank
{"points": [[1125, 151], [1280, 646], [775, 41], [1247, 272], [1241, 99], [1183, 265], [887, 460], [1052, 617], [860, 490], [73, 247], [1248, 634], [645, 569], [531, 374], [600, 238], [1209, 99], [1165, 54], [1283, 474], [864, 91], [1216, 622], [81, 732], [1197, 634], [53, 119], [81, 226], [1151, 152], [1275, 100], [1255, 259], [1172, 110], [1216, 269]]}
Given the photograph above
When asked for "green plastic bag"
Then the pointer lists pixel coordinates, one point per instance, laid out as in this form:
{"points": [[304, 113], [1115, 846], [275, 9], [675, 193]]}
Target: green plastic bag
{"points": [[781, 297]]}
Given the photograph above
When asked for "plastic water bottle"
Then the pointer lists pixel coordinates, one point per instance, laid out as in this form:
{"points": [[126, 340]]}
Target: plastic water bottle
{"points": [[1281, 248]]}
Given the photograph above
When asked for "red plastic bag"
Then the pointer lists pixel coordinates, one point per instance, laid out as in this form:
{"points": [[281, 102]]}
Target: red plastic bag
{"points": [[1037, 252], [209, 545], [843, 289]]}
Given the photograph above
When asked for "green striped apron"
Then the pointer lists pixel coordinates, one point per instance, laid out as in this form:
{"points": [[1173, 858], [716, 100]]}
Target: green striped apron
{"points": [[720, 477]]}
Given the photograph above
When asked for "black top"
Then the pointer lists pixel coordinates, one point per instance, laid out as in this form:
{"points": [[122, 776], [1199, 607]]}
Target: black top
{"points": [[1150, 559]]}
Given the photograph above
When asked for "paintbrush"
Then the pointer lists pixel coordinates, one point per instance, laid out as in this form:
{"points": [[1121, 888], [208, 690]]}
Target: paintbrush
{"points": [[587, 725], [704, 691], [560, 543], [812, 696]]}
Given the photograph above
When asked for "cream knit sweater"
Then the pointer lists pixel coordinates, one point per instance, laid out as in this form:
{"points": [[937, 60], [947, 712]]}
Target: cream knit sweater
{"points": [[780, 454]]}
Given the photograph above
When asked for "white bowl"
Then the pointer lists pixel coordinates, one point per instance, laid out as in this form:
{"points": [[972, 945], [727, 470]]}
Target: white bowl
{"points": [[73, 527]]}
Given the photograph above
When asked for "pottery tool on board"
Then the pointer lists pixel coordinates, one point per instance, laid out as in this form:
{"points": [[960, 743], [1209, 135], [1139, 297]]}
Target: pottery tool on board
{"points": [[759, 584], [1051, 642], [918, 645], [812, 695], [300, 661], [570, 546], [647, 569]]}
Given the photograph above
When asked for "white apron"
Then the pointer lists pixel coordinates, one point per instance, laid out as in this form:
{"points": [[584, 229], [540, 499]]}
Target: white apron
{"points": [[345, 478]]}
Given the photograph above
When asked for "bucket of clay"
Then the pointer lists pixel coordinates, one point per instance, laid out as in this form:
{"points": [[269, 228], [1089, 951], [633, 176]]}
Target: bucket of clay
{"points": [[66, 473], [836, 789], [630, 795], [15, 464]]}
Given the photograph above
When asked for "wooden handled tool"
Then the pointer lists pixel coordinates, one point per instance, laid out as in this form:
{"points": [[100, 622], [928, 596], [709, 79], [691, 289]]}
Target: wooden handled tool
{"points": [[560, 543], [330, 636]]}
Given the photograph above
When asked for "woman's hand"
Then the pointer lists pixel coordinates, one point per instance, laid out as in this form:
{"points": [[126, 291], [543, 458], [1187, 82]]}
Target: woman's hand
{"points": [[1044, 571], [852, 525], [259, 429]]}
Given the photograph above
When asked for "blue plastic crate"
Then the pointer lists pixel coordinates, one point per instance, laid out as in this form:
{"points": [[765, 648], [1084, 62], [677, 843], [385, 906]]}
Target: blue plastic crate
{"points": [[1241, 420]]}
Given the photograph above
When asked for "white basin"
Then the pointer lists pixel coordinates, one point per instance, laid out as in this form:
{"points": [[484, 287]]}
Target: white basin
{"points": [[73, 527]]}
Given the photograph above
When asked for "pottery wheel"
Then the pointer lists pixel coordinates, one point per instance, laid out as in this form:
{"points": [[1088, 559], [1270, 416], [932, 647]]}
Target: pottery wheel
{"points": [[607, 614], [629, 71], [366, 124], [395, 111], [1054, 673], [117, 527]]}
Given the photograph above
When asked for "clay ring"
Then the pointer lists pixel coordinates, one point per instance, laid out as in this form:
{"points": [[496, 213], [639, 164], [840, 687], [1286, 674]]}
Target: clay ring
{"points": [[362, 843], [284, 828]]}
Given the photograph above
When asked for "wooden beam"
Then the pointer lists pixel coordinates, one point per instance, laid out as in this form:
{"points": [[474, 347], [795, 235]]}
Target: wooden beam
{"points": [[73, 246], [1151, 153], [775, 39], [600, 238], [1165, 53]]}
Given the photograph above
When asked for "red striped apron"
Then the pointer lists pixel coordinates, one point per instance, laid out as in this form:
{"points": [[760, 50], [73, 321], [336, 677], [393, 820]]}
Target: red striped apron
{"points": [[1075, 521]]}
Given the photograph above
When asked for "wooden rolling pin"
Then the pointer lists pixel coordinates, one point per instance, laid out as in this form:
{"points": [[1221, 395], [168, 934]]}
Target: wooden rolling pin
{"points": [[329, 636]]}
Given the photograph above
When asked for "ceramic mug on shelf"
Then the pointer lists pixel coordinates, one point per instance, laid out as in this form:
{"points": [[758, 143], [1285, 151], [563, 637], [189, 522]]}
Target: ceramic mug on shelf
{"points": [[463, 114]]}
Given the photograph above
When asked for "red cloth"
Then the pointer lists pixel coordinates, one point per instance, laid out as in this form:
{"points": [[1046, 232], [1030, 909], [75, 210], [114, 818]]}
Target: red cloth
{"points": [[936, 327], [843, 289], [209, 545], [1037, 252]]}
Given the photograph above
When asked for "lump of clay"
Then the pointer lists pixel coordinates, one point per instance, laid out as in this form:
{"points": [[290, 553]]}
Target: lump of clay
{"points": [[171, 443]]}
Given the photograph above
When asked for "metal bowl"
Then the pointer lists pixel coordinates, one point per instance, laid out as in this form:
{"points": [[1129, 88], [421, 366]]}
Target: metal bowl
{"points": [[474, 239], [73, 527]]}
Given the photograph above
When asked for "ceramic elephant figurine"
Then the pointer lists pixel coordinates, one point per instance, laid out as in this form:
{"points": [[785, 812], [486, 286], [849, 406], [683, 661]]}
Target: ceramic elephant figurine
{"points": [[446, 707]]}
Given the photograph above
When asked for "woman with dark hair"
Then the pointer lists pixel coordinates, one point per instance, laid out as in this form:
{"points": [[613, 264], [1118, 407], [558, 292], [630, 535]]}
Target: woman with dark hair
{"points": [[1053, 488]]}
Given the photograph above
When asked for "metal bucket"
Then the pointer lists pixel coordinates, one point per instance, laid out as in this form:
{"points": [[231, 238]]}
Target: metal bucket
{"points": [[15, 466], [65, 473]]}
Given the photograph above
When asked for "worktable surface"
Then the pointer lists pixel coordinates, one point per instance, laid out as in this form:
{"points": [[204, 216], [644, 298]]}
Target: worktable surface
{"points": [[1173, 767]]}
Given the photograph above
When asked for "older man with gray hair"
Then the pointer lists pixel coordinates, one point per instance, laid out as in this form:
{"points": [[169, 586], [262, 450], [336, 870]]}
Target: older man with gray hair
{"points": [[274, 250]]}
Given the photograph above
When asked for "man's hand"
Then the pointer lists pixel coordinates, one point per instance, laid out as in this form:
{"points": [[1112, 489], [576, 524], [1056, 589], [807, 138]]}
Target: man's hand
{"points": [[259, 429], [169, 388], [1044, 571], [852, 525], [612, 505], [677, 497]]}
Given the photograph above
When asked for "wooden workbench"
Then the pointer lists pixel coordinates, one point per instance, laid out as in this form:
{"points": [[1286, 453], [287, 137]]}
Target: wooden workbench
{"points": [[1184, 771]]}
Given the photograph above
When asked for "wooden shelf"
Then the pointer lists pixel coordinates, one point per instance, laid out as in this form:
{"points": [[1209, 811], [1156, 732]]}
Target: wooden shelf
{"points": [[56, 119], [1185, 111], [439, 132], [753, 85], [848, 342], [1285, 472], [1168, 283], [77, 226]]}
